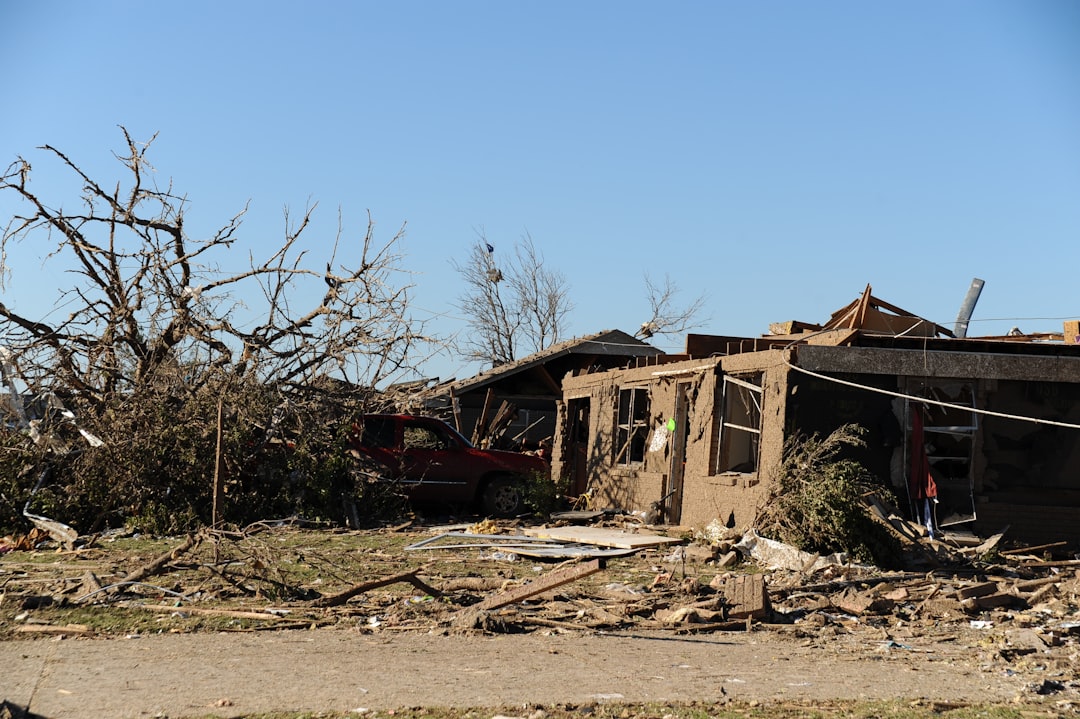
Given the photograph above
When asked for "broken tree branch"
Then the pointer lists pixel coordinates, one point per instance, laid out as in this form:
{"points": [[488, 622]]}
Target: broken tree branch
{"points": [[154, 566], [340, 598]]}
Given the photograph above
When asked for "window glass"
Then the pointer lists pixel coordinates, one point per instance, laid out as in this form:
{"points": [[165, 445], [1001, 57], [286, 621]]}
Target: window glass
{"points": [[377, 432]]}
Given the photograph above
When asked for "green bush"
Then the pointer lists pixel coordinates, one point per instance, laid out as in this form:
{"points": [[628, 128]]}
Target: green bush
{"points": [[544, 494], [816, 502]]}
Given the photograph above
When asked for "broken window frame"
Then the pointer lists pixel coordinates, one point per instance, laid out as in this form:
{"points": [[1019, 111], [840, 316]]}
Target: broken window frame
{"points": [[631, 427], [732, 425]]}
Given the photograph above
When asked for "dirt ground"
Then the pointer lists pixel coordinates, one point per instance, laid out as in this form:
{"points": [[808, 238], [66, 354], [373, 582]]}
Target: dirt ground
{"points": [[330, 621], [339, 670]]}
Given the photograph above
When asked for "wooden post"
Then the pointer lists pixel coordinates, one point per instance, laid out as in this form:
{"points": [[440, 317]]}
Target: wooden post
{"points": [[552, 580], [219, 494]]}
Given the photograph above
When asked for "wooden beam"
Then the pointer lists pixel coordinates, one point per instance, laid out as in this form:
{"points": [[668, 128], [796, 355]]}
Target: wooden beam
{"points": [[549, 581], [547, 379], [481, 423], [859, 320], [232, 613], [455, 407]]}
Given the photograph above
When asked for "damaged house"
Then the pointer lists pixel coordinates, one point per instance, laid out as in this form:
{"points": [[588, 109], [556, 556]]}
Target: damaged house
{"points": [[976, 434], [514, 404]]}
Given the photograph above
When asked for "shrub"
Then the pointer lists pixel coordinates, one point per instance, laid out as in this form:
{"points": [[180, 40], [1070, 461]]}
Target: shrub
{"points": [[544, 494], [283, 455], [816, 503]]}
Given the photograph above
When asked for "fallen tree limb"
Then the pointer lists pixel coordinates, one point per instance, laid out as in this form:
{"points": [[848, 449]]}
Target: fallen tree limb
{"points": [[154, 566], [340, 598]]}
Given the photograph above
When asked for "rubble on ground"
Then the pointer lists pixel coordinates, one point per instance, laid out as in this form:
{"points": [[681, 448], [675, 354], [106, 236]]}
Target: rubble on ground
{"points": [[1018, 607]]}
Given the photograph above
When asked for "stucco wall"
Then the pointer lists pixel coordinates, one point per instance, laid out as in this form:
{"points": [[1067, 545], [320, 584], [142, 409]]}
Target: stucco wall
{"points": [[1019, 469], [706, 495]]}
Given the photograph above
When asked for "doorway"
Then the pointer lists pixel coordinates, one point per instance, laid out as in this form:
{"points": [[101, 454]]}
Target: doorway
{"points": [[673, 491], [577, 446]]}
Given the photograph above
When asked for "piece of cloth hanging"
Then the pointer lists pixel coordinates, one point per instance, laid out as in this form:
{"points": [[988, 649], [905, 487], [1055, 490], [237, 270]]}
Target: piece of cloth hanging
{"points": [[928, 517], [920, 482]]}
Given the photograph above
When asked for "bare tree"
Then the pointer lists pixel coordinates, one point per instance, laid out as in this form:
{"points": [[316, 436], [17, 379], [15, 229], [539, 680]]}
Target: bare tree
{"points": [[513, 309], [187, 371], [151, 296], [666, 317]]}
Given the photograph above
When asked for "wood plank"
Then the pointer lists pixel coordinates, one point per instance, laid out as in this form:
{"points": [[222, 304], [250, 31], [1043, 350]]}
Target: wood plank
{"points": [[1060, 563], [601, 537], [206, 611], [541, 585], [53, 629], [569, 551], [578, 515], [1033, 549], [976, 590]]}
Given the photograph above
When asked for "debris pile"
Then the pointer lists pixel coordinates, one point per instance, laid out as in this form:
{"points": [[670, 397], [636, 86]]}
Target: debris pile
{"points": [[1018, 608]]}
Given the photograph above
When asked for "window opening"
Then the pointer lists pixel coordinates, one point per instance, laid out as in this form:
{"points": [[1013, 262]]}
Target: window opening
{"points": [[739, 425], [418, 437], [947, 440], [632, 426], [377, 432]]}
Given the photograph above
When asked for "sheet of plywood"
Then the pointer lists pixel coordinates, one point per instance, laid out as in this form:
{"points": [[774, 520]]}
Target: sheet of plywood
{"points": [[562, 550], [601, 537]]}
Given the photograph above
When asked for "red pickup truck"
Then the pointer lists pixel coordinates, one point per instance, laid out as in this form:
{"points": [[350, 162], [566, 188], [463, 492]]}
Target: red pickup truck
{"points": [[434, 463]]}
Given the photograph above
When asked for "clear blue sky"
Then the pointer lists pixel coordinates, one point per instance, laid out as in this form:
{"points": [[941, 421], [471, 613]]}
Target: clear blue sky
{"points": [[777, 156]]}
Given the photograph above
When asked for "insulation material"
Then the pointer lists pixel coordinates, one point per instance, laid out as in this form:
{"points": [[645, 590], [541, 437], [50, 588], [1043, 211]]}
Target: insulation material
{"points": [[659, 438]]}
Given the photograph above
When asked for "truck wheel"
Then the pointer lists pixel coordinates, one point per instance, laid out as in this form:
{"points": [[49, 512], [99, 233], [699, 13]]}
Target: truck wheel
{"points": [[504, 497]]}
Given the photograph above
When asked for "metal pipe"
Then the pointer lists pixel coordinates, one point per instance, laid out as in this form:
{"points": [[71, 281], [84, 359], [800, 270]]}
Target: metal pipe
{"points": [[967, 308]]}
